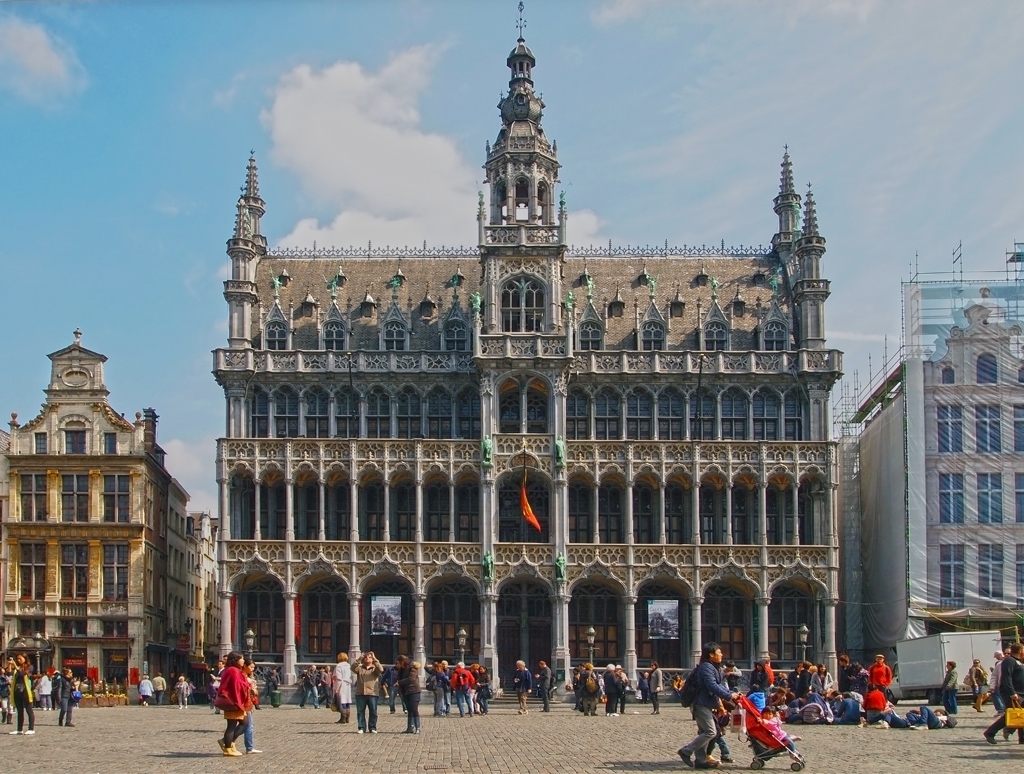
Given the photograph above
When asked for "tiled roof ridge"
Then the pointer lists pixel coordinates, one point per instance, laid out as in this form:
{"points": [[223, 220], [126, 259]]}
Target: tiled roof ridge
{"points": [[573, 251]]}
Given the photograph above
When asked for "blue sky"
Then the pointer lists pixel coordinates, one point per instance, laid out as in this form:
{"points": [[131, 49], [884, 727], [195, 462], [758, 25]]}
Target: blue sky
{"points": [[125, 129]]}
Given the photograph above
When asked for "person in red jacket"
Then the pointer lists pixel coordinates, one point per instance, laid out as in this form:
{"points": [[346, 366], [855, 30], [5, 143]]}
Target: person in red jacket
{"points": [[234, 699], [880, 674]]}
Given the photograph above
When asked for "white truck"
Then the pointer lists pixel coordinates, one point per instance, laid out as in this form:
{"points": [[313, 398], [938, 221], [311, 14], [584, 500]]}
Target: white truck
{"points": [[921, 663]]}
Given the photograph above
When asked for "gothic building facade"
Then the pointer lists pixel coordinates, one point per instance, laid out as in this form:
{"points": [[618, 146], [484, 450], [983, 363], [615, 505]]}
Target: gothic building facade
{"points": [[664, 410]]}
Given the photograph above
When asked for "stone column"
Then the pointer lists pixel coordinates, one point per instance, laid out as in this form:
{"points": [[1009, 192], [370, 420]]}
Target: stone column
{"points": [[727, 533], [489, 616], [256, 498], [596, 513], [794, 539], [628, 508], [354, 626], [419, 614], [353, 527], [762, 631], [289, 509], [695, 509], [227, 623], [322, 515], [387, 510], [630, 613], [696, 625], [661, 514], [762, 513], [563, 658], [830, 635], [451, 511], [290, 655]]}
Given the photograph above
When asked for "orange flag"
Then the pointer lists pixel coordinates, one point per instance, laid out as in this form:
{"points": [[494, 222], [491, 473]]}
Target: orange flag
{"points": [[528, 513]]}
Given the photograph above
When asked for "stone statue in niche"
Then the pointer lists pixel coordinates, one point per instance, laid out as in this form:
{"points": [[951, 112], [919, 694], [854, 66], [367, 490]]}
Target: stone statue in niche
{"points": [[488, 564]]}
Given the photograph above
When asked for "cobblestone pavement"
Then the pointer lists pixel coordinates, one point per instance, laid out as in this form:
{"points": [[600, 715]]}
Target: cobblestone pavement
{"points": [[165, 739]]}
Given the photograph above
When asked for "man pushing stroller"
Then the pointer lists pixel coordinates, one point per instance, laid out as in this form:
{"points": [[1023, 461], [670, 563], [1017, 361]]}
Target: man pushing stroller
{"points": [[710, 690]]}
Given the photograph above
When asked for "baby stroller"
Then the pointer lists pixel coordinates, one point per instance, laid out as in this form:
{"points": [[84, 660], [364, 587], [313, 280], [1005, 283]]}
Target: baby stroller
{"points": [[762, 741]]}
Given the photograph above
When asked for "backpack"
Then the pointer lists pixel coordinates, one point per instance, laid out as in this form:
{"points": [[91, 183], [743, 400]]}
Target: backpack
{"points": [[591, 684], [688, 695], [459, 681]]}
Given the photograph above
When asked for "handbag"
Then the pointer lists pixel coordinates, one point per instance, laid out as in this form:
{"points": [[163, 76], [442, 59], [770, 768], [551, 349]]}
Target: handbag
{"points": [[223, 702], [1015, 715]]}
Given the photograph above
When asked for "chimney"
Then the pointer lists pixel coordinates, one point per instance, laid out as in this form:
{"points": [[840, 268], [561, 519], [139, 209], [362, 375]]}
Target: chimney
{"points": [[149, 418]]}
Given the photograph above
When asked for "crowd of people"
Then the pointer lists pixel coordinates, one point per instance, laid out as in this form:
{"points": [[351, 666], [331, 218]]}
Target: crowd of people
{"points": [[23, 691]]}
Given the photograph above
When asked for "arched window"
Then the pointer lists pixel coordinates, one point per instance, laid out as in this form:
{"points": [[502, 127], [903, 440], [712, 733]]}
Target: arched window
{"points": [[639, 415], [734, 416], [645, 511], [671, 407], [712, 514], [454, 607], [716, 337], [276, 336], [948, 376], [678, 519], [536, 407], [590, 334], [581, 527], [394, 336], [509, 416], [409, 414], [467, 513], [512, 527], [794, 417], [468, 418], [724, 620], [286, 413], [779, 516], [259, 414], [767, 408], [387, 646], [338, 519], [514, 403], [306, 502], [652, 336], [317, 413], [543, 202], [577, 416], [241, 496], [456, 337], [522, 306], [378, 414], [988, 371], [439, 414], [334, 336], [607, 416], [671, 651], [610, 527], [273, 510], [435, 512], [788, 610], [774, 336], [522, 200], [263, 611], [346, 414], [702, 416], [596, 606], [371, 511], [403, 511], [326, 610], [744, 505]]}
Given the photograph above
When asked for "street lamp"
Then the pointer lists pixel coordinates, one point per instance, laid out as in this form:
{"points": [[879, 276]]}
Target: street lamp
{"points": [[801, 635], [591, 636], [461, 635], [250, 640]]}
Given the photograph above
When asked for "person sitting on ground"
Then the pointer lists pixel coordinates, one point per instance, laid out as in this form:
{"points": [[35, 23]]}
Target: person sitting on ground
{"points": [[848, 712], [874, 704]]}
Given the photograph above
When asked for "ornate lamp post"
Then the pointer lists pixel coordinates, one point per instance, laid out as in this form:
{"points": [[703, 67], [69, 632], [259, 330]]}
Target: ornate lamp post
{"points": [[250, 640], [801, 635], [591, 636], [461, 635]]}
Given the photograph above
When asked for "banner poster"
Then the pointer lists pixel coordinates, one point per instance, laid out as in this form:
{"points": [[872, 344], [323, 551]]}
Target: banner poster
{"points": [[385, 615], [662, 619]]}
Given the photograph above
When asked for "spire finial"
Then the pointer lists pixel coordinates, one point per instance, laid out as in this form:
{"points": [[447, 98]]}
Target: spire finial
{"points": [[521, 24], [252, 182], [810, 214], [786, 183], [78, 337]]}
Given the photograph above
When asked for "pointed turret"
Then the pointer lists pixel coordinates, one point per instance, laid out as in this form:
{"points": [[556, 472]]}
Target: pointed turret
{"points": [[787, 205], [245, 247], [810, 214], [809, 290]]}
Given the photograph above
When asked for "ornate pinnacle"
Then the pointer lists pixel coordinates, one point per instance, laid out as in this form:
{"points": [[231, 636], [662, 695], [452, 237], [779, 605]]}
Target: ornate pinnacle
{"points": [[810, 214], [252, 181], [786, 183]]}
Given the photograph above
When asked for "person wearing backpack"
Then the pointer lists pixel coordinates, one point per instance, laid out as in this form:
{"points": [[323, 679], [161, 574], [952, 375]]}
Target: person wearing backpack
{"points": [[708, 689], [462, 681], [657, 684], [591, 689]]}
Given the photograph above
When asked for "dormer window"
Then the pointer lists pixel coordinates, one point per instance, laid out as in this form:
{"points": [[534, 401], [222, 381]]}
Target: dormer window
{"points": [[616, 308], [739, 306], [948, 376], [394, 336], [334, 336], [427, 308], [758, 279], [675, 309], [652, 337], [456, 337], [276, 337], [590, 336], [774, 335], [988, 371], [716, 337]]}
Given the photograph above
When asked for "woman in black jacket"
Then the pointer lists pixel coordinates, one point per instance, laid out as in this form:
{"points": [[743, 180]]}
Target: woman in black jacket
{"points": [[759, 680], [65, 687], [410, 685]]}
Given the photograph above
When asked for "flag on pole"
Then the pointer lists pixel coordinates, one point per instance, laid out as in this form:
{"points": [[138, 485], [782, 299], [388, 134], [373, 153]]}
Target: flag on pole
{"points": [[524, 501]]}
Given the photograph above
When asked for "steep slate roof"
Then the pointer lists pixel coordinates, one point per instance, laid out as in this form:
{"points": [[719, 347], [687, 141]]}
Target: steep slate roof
{"points": [[610, 273]]}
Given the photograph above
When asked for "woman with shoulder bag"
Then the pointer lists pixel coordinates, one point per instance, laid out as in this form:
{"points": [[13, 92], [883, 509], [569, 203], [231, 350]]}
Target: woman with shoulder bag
{"points": [[483, 690], [233, 699], [977, 679]]}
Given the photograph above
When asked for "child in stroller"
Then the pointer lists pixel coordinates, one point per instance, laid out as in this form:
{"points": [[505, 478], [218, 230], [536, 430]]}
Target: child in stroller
{"points": [[767, 738]]}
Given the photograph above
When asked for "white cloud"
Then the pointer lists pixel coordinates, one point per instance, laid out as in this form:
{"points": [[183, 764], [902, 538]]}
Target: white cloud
{"points": [[354, 139], [616, 11], [192, 463], [35, 65]]}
